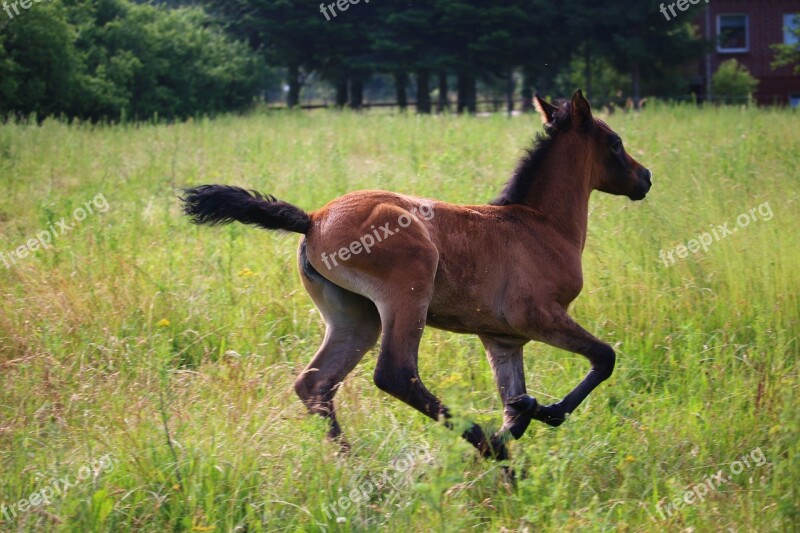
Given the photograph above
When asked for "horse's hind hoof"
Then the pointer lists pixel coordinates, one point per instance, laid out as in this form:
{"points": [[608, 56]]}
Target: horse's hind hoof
{"points": [[344, 447], [496, 449], [509, 477]]}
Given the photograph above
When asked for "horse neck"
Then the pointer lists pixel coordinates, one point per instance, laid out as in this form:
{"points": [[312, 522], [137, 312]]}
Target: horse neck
{"points": [[561, 192]]}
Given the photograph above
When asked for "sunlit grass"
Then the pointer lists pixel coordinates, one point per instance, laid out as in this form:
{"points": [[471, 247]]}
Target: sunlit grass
{"points": [[135, 318]]}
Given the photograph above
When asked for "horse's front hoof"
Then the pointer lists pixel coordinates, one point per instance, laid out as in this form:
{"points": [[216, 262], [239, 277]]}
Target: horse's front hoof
{"points": [[519, 413], [523, 404], [552, 415]]}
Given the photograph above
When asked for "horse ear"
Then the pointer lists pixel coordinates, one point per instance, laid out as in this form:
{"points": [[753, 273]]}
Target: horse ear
{"points": [[545, 110], [581, 111]]}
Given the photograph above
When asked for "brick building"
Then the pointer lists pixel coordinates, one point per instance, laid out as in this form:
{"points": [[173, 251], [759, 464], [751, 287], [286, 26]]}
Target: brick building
{"points": [[745, 30]]}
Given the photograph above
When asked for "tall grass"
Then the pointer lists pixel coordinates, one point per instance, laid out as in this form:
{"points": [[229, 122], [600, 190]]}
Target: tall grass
{"points": [[174, 348]]}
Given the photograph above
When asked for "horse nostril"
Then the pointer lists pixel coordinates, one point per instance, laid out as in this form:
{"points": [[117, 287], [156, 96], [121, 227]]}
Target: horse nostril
{"points": [[648, 176]]}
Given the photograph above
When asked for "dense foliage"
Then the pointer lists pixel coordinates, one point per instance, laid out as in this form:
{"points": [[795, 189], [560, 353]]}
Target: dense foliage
{"points": [[110, 59], [733, 83]]}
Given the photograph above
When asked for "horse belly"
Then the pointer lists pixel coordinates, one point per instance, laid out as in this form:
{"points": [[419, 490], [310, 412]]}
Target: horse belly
{"points": [[461, 312]]}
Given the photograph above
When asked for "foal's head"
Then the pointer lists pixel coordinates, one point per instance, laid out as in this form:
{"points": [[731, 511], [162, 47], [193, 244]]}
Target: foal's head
{"points": [[612, 169]]}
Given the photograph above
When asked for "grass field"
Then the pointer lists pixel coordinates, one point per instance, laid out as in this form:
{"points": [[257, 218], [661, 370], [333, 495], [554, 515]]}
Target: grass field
{"points": [[169, 350]]}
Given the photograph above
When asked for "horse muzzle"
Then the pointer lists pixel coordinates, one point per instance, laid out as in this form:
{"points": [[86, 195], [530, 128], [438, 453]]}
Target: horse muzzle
{"points": [[643, 185]]}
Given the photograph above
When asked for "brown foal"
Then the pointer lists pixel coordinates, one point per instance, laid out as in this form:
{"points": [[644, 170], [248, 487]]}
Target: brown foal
{"points": [[380, 264]]}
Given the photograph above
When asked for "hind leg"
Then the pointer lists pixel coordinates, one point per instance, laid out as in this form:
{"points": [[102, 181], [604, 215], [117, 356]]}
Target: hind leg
{"points": [[505, 357], [397, 372], [352, 328]]}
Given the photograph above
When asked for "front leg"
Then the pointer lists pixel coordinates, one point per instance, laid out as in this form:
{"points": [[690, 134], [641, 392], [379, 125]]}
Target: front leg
{"points": [[563, 332]]}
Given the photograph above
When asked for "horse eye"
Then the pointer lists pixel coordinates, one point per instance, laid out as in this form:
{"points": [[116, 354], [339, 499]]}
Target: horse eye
{"points": [[617, 147]]}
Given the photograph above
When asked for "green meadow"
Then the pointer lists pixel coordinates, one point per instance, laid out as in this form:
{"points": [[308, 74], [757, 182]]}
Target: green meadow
{"points": [[150, 363]]}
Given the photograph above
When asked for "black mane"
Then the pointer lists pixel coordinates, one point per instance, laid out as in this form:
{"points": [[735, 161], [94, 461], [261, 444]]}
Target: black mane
{"points": [[520, 183], [516, 190]]}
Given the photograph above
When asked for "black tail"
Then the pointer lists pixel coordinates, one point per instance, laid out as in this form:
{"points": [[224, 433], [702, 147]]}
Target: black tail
{"points": [[221, 204]]}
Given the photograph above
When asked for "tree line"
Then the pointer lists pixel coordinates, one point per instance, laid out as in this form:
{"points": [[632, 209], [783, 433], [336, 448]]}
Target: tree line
{"points": [[115, 58], [466, 40]]}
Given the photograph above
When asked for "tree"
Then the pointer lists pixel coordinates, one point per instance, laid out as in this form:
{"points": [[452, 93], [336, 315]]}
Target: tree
{"points": [[545, 45], [507, 39], [459, 23], [39, 62], [406, 42], [492, 41], [733, 83], [789, 54], [289, 33], [347, 57], [109, 59]]}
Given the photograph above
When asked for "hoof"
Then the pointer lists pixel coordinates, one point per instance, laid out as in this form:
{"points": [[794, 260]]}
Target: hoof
{"points": [[523, 404], [552, 415], [344, 447], [527, 409], [495, 449], [521, 410], [509, 477]]}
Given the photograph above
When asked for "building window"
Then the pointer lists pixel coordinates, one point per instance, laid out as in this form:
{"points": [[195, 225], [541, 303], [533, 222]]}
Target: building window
{"points": [[790, 25], [734, 33]]}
